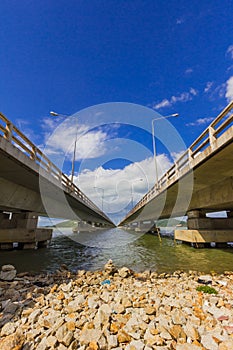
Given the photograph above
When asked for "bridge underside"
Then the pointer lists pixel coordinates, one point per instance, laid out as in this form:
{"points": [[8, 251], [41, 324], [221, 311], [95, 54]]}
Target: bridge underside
{"points": [[56, 204], [24, 186], [208, 187], [27, 191]]}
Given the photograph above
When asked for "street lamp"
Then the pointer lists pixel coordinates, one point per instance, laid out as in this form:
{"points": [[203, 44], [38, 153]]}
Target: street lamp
{"points": [[102, 189], [154, 146], [55, 114], [132, 183]]}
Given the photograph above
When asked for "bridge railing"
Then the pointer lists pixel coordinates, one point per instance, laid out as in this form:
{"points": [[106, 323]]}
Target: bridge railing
{"points": [[208, 138], [12, 134]]}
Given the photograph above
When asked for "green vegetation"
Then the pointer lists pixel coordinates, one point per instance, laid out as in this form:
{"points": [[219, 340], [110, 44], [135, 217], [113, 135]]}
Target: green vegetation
{"points": [[67, 223], [206, 289], [171, 222]]}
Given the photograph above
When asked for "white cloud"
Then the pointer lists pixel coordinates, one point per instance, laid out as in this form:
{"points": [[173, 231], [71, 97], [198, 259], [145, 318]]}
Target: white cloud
{"points": [[214, 93], [230, 51], [177, 155], [189, 71], [200, 121], [221, 90], [183, 97], [229, 89], [162, 104], [193, 92], [209, 85], [121, 186], [61, 141], [180, 20], [230, 68]]}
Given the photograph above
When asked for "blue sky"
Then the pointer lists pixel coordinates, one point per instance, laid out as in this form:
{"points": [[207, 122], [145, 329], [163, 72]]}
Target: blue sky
{"points": [[167, 56]]}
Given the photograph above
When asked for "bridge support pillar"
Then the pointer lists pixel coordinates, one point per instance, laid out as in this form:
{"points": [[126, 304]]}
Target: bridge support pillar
{"points": [[204, 230], [21, 228]]}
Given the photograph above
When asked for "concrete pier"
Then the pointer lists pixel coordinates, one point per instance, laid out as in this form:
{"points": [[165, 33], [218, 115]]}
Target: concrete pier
{"points": [[21, 228], [203, 230]]}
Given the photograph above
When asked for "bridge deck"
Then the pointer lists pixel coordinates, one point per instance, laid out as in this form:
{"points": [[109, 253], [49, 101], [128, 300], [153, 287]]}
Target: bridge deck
{"points": [[200, 178], [25, 171]]}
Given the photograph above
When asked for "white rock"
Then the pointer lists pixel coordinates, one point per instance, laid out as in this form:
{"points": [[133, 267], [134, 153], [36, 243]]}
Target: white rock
{"points": [[187, 347], [51, 341], [61, 333], [74, 305], [34, 316], [102, 316], [8, 273], [124, 272], [217, 312], [178, 317], [93, 302], [112, 341], [102, 342], [165, 335], [8, 268], [88, 335], [208, 342], [67, 287], [7, 329], [207, 338], [191, 331], [205, 279], [222, 283], [105, 296], [42, 345], [136, 345], [68, 338], [62, 347]]}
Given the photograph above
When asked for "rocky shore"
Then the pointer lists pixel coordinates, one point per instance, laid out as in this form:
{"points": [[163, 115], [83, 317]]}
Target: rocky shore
{"points": [[115, 309]]}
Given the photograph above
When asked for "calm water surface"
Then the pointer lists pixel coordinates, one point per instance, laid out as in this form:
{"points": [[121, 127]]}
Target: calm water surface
{"points": [[91, 250]]}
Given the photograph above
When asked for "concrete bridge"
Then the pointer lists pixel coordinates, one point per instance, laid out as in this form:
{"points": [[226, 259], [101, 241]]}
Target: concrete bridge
{"points": [[31, 185], [200, 181]]}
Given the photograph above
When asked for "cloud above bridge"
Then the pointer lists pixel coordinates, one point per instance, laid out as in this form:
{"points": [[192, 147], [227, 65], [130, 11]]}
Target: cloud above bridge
{"points": [[114, 151], [117, 190], [182, 97], [229, 89], [90, 144]]}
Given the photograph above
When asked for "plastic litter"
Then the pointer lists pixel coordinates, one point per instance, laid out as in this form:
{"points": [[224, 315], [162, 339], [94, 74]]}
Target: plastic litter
{"points": [[105, 282]]}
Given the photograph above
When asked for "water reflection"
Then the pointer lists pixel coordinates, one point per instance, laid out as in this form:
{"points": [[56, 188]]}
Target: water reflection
{"points": [[136, 251]]}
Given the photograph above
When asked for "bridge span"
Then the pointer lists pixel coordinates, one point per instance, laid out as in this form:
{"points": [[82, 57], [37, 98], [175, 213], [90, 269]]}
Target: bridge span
{"points": [[31, 185], [200, 181]]}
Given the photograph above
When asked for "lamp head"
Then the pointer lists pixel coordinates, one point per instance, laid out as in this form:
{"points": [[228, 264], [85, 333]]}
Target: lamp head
{"points": [[54, 114]]}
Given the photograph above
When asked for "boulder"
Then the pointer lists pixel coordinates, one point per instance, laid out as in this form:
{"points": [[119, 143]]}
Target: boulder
{"points": [[8, 273]]}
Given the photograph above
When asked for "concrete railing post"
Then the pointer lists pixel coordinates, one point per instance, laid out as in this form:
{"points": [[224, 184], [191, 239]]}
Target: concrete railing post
{"points": [[8, 132], [212, 137], [33, 153]]}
